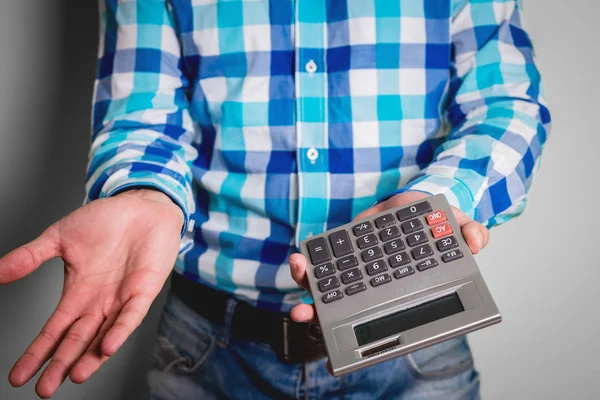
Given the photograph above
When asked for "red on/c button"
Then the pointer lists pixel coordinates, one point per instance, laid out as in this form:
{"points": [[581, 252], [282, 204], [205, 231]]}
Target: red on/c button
{"points": [[441, 230], [436, 217]]}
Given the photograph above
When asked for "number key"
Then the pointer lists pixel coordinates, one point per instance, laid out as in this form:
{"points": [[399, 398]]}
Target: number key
{"points": [[399, 260], [414, 210], [421, 252], [394, 246], [411, 226], [366, 241], [371, 254], [375, 267], [417, 238], [389, 233]]}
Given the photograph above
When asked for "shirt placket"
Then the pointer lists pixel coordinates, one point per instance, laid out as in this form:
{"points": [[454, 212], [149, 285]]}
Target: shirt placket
{"points": [[311, 118]]}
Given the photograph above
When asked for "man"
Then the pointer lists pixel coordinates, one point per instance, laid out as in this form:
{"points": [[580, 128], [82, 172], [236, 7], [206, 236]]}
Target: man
{"points": [[225, 132]]}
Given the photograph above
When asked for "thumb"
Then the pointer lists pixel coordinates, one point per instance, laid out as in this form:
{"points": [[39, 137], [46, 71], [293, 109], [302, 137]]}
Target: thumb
{"points": [[27, 258]]}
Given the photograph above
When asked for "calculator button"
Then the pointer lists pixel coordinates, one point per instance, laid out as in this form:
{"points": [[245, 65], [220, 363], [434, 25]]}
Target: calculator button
{"points": [[394, 246], [375, 267], [436, 217], [366, 241], [422, 252], [347, 262], [446, 243], [384, 220], [324, 270], [340, 243], [417, 238], [328, 284], [356, 288], [442, 230], [362, 229], [319, 253], [404, 271], [452, 255], [413, 211], [332, 296], [350, 276], [380, 280], [371, 254], [399, 260], [411, 226], [423, 265], [389, 233]]}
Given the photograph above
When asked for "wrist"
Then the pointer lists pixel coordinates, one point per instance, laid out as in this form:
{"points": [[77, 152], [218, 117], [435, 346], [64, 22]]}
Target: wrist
{"points": [[155, 195]]}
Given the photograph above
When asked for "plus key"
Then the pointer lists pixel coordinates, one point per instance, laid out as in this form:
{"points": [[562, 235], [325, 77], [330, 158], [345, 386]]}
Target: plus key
{"points": [[340, 243]]}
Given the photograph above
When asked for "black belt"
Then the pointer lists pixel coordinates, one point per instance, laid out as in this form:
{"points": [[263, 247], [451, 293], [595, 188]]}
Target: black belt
{"points": [[292, 341]]}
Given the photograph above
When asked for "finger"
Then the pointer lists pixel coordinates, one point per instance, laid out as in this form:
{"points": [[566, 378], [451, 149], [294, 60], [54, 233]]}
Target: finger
{"points": [[461, 217], [473, 233], [74, 344], [92, 359], [27, 258], [486, 236], [42, 348], [298, 270], [303, 313], [128, 320]]}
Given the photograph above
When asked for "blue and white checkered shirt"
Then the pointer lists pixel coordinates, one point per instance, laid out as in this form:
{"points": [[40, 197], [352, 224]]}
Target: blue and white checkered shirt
{"points": [[271, 120]]}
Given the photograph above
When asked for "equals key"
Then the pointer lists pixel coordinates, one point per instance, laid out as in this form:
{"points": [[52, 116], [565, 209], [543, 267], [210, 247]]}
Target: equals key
{"points": [[318, 251]]}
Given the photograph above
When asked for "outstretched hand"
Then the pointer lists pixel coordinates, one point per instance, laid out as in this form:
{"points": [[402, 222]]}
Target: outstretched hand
{"points": [[118, 253], [475, 234]]}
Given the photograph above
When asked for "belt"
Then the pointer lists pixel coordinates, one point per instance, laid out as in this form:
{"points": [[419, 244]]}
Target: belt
{"points": [[293, 342]]}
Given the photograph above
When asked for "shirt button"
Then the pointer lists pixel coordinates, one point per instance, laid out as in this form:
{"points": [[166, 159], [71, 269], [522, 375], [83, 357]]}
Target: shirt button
{"points": [[311, 67], [312, 154]]}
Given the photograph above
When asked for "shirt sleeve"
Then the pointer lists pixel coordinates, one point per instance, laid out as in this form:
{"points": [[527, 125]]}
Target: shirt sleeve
{"points": [[142, 130], [496, 113]]}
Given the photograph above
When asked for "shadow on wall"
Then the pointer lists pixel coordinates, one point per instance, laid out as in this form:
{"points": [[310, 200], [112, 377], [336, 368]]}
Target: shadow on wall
{"points": [[53, 186]]}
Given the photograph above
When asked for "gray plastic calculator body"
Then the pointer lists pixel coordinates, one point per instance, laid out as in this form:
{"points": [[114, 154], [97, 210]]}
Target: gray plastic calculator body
{"points": [[394, 298]]}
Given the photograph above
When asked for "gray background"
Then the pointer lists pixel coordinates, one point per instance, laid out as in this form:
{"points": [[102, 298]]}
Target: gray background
{"points": [[542, 270]]}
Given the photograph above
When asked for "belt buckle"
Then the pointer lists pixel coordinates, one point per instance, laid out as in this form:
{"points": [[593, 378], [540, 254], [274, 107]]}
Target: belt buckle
{"points": [[301, 341]]}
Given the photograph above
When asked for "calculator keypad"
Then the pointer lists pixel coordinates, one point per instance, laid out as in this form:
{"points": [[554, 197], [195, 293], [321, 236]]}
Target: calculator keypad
{"points": [[402, 236]]}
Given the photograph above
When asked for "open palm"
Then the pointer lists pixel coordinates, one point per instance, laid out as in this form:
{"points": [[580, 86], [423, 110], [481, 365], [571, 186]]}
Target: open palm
{"points": [[118, 253]]}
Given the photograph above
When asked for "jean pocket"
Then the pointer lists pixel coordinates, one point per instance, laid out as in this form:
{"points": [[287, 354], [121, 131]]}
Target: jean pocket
{"points": [[442, 360], [185, 341]]}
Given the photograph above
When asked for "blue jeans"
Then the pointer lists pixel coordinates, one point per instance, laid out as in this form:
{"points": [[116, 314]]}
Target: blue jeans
{"points": [[194, 358]]}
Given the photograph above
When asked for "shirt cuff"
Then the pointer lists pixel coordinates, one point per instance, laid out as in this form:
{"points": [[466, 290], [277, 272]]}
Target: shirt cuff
{"points": [[183, 198], [458, 194]]}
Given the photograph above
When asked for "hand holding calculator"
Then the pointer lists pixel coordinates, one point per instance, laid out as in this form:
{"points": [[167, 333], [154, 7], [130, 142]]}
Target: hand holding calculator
{"points": [[395, 282]]}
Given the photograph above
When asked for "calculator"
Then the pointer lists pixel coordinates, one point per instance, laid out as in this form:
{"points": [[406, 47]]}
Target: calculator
{"points": [[395, 282]]}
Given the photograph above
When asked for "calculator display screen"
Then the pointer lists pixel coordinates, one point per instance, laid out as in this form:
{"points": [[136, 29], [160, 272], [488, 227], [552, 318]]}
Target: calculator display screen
{"points": [[408, 319]]}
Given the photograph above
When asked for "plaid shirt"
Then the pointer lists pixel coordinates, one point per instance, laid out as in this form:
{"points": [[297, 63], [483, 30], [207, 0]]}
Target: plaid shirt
{"points": [[267, 121]]}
